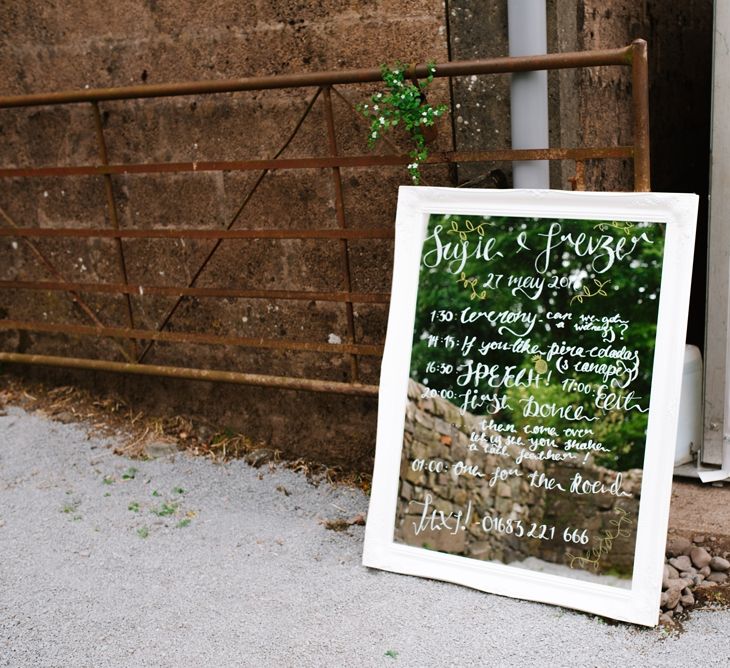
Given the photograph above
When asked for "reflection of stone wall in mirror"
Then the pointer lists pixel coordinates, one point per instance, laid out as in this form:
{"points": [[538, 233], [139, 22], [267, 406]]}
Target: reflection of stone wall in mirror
{"points": [[461, 494]]}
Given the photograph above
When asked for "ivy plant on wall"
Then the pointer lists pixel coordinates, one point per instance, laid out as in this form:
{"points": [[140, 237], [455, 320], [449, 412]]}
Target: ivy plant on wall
{"points": [[403, 104]]}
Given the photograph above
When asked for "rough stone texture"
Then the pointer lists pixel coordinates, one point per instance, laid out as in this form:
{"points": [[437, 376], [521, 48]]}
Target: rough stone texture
{"points": [[259, 457], [682, 563], [671, 597], [481, 104], [436, 430], [51, 46], [100, 46], [605, 118], [700, 557], [719, 564], [687, 599], [586, 107], [700, 509], [678, 546], [73, 45], [670, 573], [157, 449], [678, 586]]}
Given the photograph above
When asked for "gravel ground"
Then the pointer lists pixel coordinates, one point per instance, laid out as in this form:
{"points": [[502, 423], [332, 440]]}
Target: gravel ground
{"points": [[243, 573]]}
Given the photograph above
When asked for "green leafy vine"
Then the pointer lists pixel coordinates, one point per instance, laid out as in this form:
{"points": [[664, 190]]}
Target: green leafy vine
{"points": [[403, 104]]}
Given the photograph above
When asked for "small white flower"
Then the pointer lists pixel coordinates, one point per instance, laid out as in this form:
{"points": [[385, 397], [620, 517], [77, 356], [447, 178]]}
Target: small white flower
{"points": [[382, 120], [376, 107], [374, 135]]}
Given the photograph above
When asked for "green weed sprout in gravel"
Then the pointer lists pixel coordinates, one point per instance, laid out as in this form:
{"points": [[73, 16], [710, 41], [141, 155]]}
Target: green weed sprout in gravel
{"points": [[165, 509]]}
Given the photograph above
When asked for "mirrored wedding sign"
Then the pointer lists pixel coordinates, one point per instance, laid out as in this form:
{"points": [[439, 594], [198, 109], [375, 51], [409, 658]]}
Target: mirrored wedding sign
{"points": [[529, 393]]}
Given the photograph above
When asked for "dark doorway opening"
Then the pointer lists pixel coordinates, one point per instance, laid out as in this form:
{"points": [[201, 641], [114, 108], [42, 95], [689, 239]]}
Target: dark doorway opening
{"points": [[680, 93]]}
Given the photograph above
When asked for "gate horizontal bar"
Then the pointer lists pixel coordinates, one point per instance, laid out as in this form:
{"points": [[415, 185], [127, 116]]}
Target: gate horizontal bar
{"points": [[279, 382], [443, 157], [173, 291], [182, 233], [551, 61], [191, 337], [633, 55]]}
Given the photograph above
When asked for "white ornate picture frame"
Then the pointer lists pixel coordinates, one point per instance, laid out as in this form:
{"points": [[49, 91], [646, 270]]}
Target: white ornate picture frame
{"points": [[510, 424]]}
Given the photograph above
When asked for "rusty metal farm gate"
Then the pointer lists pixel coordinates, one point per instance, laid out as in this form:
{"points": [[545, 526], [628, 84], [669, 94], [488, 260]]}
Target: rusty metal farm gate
{"points": [[131, 347]]}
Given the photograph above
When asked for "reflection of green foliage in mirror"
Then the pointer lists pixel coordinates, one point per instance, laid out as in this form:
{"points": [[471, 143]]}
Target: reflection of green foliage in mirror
{"points": [[630, 287], [619, 432], [623, 433]]}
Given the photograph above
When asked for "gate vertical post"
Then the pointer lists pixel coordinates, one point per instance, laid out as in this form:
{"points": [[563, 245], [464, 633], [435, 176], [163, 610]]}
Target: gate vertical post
{"points": [[342, 224], [640, 98]]}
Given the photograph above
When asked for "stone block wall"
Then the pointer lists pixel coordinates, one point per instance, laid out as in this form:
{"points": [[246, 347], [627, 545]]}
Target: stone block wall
{"points": [[74, 45], [46, 46]]}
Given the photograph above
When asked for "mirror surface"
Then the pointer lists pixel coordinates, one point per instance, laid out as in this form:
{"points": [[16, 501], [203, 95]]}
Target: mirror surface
{"points": [[528, 397]]}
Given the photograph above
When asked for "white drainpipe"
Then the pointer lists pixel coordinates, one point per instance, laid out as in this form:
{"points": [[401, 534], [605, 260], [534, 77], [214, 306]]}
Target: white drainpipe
{"points": [[527, 22], [716, 446]]}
